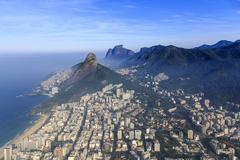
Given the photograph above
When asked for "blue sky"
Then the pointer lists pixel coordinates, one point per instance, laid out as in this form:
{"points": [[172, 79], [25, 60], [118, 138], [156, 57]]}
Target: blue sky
{"points": [[95, 25]]}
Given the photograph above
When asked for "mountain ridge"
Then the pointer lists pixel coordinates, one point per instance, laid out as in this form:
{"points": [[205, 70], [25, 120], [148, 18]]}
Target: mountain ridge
{"points": [[178, 55], [219, 44]]}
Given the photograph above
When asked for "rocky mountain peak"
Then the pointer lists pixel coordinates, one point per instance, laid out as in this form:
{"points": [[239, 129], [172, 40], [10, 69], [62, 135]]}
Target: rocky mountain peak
{"points": [[91, 59], [119, 52]]}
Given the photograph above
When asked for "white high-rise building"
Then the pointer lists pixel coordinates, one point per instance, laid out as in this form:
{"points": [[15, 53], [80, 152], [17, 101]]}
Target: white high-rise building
{"points": [[190, 134], [131, 135], [119, 134], [7, 153], [157, 146], [138, 134]]}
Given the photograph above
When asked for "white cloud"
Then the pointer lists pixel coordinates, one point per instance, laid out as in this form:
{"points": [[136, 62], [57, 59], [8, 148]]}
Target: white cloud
{"points": [[130, 6], [177, 16]]}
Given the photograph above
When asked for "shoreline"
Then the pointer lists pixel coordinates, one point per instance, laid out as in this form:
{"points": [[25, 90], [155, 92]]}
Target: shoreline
{"points": [[29, 131]]}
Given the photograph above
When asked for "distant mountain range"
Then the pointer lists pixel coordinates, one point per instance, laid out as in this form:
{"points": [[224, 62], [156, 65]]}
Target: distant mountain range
{"points": [[120, 53], [213, 69], [175, 55], [220, 44]]}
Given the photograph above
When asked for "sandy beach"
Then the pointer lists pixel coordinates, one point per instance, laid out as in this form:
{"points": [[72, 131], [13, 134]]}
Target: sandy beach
{"points": [[29, 131]]}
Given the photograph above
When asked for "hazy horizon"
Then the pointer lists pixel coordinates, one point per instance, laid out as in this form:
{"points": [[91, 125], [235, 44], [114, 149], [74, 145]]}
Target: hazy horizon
{"points": [[96, 25]]}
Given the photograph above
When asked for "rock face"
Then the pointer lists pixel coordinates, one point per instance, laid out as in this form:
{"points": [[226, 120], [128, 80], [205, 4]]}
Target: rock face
{"points": [[83, 69], [118, 52], [91, 59]]}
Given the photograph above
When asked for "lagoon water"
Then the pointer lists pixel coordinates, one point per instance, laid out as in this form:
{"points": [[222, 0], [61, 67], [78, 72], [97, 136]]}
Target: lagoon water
{"points": [[19, 74]]}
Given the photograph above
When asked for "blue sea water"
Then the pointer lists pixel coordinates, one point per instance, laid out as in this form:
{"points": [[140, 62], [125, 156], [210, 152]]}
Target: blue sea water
{"points": [[19, 74]]}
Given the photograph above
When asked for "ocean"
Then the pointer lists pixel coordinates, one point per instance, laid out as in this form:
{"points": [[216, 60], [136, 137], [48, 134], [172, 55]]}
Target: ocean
{"points": [[19, 74]]}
